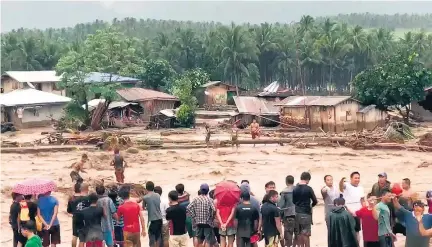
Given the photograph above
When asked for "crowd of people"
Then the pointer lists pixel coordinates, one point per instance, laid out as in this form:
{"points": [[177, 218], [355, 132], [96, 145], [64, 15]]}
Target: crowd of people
{"points": [[112, 218]]}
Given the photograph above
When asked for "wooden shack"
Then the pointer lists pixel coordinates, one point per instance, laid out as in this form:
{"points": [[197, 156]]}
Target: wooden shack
{"points": [[216, 93], [151, 101], [329, 113], [250, 108], [370, 117]]}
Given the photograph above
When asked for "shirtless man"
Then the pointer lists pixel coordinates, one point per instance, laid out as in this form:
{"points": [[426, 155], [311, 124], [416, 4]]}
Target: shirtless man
{"points": [[208, 134], [255, 130], [78, 167], [119, 164]]}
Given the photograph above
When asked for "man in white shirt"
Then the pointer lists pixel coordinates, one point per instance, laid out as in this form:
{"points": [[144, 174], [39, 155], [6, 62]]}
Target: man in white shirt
{"points": [[353, 193], [165, 226], [329, 193]]}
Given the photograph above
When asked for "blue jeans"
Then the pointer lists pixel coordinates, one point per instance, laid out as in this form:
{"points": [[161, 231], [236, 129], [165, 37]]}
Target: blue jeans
{"points": [[385, 241]]}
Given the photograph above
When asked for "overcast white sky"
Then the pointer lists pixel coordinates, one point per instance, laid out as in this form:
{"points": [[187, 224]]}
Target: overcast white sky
{"points": [[43, 14]]}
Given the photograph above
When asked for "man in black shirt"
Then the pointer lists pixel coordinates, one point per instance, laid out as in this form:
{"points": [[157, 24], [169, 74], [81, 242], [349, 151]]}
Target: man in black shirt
{"points": [[92, 218], [303, 195], [176, 215], [246, 220], [271, 221], [76, 203]]}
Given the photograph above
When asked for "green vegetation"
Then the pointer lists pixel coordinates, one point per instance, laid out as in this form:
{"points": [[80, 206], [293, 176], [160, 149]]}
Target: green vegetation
{"points": [[319, 56], [396, 82]]}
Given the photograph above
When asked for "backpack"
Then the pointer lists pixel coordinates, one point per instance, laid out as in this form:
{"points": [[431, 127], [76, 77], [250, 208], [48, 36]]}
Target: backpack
{"points": [[24, 212]]}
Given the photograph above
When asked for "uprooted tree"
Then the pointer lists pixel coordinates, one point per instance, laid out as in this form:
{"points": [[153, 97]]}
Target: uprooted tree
{"points": [[397, 82], [107, 51]]}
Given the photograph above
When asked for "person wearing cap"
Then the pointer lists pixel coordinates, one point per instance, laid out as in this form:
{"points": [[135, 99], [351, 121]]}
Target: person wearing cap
{"points": [[382, 185], [202, 211], [341, 226], [410, 219], [245, 187]]}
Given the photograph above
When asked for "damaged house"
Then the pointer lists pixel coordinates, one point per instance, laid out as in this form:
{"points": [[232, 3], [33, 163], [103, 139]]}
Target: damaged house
{"points": [[27, 108], [151, 101], [330, 113], [250, 108]]}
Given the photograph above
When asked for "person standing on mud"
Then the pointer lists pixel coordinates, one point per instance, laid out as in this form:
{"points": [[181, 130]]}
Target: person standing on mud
{"points": [[287, 208], [208, 134], [78, 202], [329, 194], [354, 194], [304, 200], [151, 202], [255, 130], [78, 167], [119, 165]]}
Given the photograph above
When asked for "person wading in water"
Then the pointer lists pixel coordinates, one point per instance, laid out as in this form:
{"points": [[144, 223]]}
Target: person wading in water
{"points": [[78, 167], [119, 164]]}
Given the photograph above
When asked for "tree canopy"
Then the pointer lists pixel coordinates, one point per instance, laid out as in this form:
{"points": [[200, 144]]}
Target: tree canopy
{"points": [[396, 82], [319, 56]]}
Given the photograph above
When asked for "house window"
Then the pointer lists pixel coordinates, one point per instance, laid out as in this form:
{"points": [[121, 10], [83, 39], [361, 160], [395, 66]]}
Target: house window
{"points": [[55, 87], [38, 86], [348, 116]]}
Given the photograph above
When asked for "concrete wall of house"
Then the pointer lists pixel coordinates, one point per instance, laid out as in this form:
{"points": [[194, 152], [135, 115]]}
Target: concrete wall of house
{"points": [[8, 84], [371, 119], [346, 117], [39, 118], [152, 107], [420, 112], [52, 88]]}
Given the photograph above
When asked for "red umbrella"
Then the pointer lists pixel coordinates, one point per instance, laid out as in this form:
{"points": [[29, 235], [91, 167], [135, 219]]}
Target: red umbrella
{"points": [[227, 193], [34, 186]]}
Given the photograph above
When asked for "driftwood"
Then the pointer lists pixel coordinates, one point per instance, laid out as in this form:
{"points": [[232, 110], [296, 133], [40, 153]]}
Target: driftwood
{"points": [[41, 149], [98, 114], [395, 146], [176, 132]]}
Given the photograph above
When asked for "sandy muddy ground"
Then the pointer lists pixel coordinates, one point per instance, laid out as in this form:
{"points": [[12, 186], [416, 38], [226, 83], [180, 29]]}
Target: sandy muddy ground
{"points": [[258, 164]]}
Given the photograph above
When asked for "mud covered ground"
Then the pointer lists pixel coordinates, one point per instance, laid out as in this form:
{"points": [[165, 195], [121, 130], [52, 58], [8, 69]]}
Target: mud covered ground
{"points": [[258, 164]]}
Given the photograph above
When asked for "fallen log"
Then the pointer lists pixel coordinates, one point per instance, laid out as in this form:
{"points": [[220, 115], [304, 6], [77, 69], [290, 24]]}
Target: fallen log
{"points": [[394, 146], [41, 149], [176, 132]]}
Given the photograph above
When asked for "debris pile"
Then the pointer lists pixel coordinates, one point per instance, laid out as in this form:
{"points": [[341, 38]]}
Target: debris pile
{"points": [[426, 140], [398, 132]]}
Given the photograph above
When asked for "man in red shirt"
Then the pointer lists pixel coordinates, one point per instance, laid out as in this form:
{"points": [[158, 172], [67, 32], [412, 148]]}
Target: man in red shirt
{"points": [[132, 215], [368, 222]]}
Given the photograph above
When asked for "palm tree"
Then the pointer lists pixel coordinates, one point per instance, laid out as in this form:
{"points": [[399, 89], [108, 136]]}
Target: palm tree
{"points": [[187, 44], [266, 45], [236, 52]]}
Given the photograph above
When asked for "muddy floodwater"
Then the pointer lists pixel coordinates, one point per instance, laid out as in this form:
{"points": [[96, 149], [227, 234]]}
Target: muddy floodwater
{"points": [[192, 167]]}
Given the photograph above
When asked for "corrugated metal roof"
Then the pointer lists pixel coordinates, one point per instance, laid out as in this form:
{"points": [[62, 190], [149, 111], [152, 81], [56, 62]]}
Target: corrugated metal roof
{"points": [[367, 108], [272, 88], [31, 97], [92, 104], [210, 83], [33, 76], [254, 105], [168, 112], [142, 94], [298, 101], [97, 77]]}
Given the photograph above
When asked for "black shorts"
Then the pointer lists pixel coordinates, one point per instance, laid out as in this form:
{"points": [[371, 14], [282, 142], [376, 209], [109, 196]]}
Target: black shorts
{"points": [[399, 228], [155, 231], [371, 244], [303, 224], [18, 237], [51, 236], [205, 232], [357, 227]]}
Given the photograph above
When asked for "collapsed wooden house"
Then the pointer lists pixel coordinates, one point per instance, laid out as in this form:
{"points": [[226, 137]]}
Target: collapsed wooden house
{"points": [[250, 108], [151, 101], [329, 113]]}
